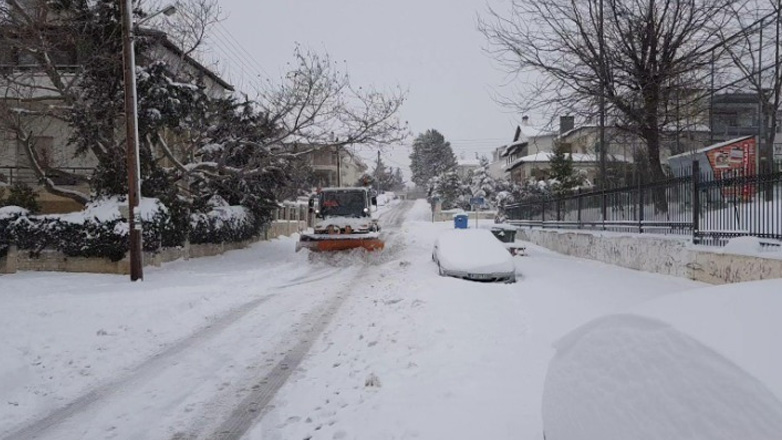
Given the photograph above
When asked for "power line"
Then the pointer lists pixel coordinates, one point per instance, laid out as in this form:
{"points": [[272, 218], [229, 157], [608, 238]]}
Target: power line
{"points": [[236, 59], [244, 50]]}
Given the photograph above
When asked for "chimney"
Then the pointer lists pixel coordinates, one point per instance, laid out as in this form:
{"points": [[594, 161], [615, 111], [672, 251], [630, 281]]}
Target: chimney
{"points": [[525, 120], [517, 135], [566, 123]]}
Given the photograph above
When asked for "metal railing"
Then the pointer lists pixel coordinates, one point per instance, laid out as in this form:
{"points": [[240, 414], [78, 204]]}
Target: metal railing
{"points": [[26, 175], [710, 209]]}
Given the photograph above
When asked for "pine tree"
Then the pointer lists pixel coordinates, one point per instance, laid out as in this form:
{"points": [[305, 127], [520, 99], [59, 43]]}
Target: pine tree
{"points": [[482, 184], [451, 190], [431, 156], [398, 181], [561, 169]]}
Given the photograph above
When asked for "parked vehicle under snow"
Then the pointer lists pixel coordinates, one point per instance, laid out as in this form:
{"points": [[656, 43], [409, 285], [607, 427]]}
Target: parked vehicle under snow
{"points": [[473, 254]]}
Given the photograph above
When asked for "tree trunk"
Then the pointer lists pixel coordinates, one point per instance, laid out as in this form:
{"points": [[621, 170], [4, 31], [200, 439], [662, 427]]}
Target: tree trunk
{"points": [[656, 170]]}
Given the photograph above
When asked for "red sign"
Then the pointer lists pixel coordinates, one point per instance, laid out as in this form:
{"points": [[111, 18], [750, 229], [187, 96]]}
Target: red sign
{"points": [[734, 160]]}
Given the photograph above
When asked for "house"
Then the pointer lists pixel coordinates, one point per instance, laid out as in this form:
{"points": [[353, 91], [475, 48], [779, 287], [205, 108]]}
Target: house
{"points": [[527, 140], [25, 88], [535, 166], [334, 166], [735, 115], [466, 166]]}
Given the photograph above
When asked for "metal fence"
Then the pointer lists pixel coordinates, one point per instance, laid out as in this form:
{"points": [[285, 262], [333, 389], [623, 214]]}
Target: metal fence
{"points": [[709, 209], [25, 175]]}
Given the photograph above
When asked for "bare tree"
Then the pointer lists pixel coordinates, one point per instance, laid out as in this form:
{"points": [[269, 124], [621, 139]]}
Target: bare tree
{"points": [[631, 54], [190, 26], [754, 50], [316, 103]]}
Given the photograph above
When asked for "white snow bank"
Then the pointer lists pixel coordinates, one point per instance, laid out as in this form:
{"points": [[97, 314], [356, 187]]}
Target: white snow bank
{"points": [[108, 209], [474, 250], [10, 211], [750, 246], [698, 365]]}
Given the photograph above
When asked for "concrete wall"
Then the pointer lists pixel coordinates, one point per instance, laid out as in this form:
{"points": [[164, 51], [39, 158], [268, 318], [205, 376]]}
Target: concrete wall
{"points": [[54, 261], [668, 256]]}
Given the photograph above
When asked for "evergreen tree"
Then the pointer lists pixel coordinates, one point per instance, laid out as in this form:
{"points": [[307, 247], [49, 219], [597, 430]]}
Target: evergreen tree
{"points": [[398, 180], [562, 171], [431, 156], [482, 184], [451, 190]]}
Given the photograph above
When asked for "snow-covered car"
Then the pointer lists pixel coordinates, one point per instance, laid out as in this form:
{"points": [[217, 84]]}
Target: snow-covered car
{"points": [[473, 254], [701, 365]]}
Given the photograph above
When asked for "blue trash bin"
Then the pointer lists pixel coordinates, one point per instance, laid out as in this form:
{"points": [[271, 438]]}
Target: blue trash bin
{"points": [[460, 221]]}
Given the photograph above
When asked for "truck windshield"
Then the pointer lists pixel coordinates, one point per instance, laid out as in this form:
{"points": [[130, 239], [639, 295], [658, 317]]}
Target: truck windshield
{"points": [[342, 204]]}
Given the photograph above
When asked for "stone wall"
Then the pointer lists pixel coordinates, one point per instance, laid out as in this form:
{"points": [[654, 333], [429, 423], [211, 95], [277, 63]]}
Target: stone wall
{"points": [[663, 255]]}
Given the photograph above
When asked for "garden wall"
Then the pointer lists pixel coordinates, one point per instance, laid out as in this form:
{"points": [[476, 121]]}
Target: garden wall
{"points": [[49, 260], [663, 255]]}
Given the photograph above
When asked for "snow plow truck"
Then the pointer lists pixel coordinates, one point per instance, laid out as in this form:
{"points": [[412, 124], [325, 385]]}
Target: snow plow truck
{"points": [[343, 221]]}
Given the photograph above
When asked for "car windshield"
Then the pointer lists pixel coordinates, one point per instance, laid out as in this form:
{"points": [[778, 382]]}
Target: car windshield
{"points": [[342, 204]]}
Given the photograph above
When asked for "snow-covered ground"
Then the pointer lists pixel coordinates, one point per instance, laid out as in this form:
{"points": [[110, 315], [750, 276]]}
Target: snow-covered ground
{"points": [[699, 365], [265, 343]]}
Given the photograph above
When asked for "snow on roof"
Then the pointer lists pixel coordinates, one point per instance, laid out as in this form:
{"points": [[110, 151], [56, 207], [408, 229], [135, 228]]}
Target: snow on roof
{"points": [[532, 131], [577, 129], [510, 147], [344, 188], [547, 156], [469, 162], [711, 147]]}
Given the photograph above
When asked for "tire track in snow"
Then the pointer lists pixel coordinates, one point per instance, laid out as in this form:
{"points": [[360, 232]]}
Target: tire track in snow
{"points": [[255, 404], [150, 366]]}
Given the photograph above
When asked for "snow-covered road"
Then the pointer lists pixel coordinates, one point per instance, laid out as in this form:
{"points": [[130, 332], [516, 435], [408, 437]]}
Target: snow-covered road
{"points": [[264, 343]]}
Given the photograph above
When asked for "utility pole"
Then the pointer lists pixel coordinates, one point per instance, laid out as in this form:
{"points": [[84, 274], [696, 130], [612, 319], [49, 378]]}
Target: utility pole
{"points": [[603, 80], [760, 145], [132, 147], [339, 168], [377, 172]]}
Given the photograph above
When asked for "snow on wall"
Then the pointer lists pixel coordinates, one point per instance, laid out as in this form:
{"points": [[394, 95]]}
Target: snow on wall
{"points": [[667, 256]]}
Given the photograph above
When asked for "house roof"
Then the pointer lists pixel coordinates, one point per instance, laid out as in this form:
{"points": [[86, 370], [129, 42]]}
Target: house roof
{"points": [[711, 147], [513, 147], [533, 131], [469, 162], [163, 39], [547, 156]]}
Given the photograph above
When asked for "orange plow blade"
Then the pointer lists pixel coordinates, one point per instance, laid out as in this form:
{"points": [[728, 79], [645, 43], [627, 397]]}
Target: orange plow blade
{"points": [[330, 243]]}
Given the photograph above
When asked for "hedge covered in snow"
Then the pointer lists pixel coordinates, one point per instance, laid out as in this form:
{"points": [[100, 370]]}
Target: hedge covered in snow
{"points": [[100, 230]]}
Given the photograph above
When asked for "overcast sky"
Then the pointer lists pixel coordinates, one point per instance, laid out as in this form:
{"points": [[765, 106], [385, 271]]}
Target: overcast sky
{"points": [[430, 47]]}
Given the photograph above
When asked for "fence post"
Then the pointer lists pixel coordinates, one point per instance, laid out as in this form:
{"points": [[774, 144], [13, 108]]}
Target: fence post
{"points": [[603, 209], [640, 208], [580, 198], [696, 202], [559, 209]]}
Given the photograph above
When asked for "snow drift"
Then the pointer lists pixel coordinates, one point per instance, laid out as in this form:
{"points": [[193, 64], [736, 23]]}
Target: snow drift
{"points": [[698, 365]]}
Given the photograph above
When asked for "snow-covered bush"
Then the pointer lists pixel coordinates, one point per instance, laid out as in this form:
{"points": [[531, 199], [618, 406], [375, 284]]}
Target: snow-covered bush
{"points": [[223, 223], [99, 230], [8, 214]]}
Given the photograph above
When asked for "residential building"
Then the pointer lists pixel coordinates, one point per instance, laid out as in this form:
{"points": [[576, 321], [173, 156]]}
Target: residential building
{"points": [[528, 156], [735, 115], [334, 166], [465, 166], [25, 88]]}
